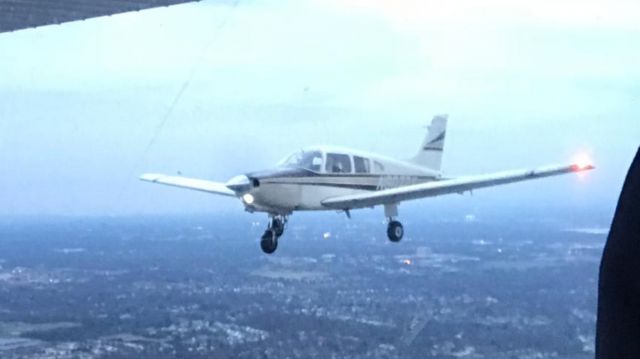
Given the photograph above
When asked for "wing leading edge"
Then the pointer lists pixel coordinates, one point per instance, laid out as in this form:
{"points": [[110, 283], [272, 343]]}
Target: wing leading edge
{"points": [[190, 183], [438, 188]]}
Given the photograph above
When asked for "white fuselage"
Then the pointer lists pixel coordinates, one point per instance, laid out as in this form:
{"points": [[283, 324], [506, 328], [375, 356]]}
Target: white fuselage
{"points": [[326, 172]]}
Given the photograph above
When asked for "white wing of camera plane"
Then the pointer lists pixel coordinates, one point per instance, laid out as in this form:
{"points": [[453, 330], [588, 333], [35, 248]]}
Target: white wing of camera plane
{"points": [[331, 178]]}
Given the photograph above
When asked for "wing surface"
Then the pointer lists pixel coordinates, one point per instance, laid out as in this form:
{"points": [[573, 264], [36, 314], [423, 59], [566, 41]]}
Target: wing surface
{"points": [[189, 183], [442, 187]]}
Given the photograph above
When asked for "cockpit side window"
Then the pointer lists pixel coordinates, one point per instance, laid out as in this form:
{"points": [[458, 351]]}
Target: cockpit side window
{"points": [[361, 164], [379, 167], [312, 161], [338, 163]]}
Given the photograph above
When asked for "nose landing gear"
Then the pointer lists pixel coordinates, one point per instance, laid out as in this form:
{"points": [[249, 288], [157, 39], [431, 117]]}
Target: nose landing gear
{"points": [[269, 240]]}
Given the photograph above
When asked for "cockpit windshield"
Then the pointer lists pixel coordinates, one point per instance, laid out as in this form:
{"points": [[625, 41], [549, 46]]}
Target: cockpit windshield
{"points": [[309, 160]]}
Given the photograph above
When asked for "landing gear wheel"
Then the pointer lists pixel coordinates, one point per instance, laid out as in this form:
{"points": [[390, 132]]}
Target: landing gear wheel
{"points": [[269, 241], [277, 225], [395, 231]]}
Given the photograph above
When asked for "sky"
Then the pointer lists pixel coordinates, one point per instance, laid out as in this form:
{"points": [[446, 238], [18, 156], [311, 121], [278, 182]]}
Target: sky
{"points": [[214, 89]]}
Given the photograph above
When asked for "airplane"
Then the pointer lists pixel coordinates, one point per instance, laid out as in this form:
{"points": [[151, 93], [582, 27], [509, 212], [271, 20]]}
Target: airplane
{"points": [[324, 178]]}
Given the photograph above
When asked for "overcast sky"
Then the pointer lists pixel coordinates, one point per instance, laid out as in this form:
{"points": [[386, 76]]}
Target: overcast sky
{"points": [[525, 83]]}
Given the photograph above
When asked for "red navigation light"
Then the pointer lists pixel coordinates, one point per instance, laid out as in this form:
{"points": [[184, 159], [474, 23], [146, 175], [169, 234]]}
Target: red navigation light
{"points": [[582, 162]]}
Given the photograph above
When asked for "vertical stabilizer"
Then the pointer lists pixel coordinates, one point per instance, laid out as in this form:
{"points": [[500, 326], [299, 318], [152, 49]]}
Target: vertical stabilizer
{"points": [[430, 153]]}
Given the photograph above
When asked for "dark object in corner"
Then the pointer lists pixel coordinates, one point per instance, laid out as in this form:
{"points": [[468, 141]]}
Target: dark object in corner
{"points": [[618, 329]]}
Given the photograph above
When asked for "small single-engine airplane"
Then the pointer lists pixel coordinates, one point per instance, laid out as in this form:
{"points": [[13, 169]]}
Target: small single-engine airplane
{"points": [[332, 178]]}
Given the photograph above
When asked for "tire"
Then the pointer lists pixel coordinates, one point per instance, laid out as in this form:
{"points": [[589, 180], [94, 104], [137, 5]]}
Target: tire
{"points": [[395, 231], [269, 242]]}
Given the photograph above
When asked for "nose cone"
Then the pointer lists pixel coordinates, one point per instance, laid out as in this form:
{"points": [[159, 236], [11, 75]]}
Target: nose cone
{"points": [[239, 184]]}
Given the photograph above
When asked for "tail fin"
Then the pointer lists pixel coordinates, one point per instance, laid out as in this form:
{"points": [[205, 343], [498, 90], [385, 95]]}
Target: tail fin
{"points": [[430, 153]]}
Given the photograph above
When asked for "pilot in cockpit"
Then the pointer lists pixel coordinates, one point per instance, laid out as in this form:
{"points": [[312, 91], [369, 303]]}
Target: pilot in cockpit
{"points": [[334, 166]]}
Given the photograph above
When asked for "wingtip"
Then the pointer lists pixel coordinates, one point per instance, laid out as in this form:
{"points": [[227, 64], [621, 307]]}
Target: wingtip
{"points": [[582, 162], [149, 177], [580, 167]]}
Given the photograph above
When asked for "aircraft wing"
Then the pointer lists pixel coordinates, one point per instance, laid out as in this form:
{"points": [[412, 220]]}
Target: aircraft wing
{"points": [[189, 183], [21, 14], [438, 188]]}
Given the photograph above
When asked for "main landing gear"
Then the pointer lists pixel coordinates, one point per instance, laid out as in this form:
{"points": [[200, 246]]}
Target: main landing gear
{"points": [[395, 232], [269, 240]]}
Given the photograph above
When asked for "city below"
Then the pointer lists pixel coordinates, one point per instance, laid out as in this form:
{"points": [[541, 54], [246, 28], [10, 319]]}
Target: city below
{"points": [[457, 286]]}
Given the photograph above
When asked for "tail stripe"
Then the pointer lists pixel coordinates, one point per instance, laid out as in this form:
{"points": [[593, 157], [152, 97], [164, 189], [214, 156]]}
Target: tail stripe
{"points": [[433, 145]]}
